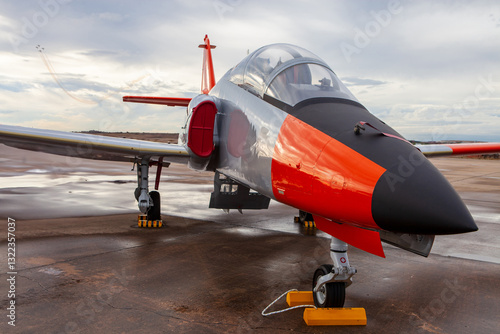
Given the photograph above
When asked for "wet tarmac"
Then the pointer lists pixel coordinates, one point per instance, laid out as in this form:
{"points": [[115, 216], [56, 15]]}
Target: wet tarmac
{"points": [[82, 266]]}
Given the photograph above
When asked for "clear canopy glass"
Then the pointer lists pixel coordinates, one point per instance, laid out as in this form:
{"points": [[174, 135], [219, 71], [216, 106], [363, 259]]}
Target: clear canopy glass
{"points": [[288, 73]]}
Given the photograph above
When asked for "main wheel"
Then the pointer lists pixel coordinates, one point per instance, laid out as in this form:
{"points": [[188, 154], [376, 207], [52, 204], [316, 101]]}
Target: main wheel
{"points": [[305, 216], [154, 212], [331, 294]]}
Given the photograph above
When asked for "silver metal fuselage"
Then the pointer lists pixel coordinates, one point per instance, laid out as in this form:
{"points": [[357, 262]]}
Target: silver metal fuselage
{"points": [[241, 110]]}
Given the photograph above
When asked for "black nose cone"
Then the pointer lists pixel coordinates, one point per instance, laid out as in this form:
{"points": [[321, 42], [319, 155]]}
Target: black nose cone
{"points": [[414, 197]]}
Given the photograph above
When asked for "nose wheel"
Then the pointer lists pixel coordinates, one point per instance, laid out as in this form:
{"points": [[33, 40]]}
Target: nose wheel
{"points": [[330, 281], [330, 294]]}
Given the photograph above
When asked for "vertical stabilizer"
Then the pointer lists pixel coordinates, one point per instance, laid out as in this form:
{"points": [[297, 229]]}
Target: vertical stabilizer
{"points": [[208, 75]]}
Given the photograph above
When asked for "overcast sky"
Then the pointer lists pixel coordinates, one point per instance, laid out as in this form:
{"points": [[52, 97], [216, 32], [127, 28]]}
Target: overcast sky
{"points": [[430, 69]]}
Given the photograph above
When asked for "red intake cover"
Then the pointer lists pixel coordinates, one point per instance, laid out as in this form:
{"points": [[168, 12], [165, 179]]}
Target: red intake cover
{"points": [[201, 129]]}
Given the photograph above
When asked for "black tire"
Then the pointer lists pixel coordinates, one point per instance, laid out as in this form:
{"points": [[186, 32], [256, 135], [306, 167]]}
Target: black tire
{"points": [[154, 212], [137, 193], [331, 294], [305, 216]]}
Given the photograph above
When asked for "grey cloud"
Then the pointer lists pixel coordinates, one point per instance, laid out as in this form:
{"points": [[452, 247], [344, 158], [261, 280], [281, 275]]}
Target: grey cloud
{"points": [[16, 87], [67, 75], [353, 81], [99, 53], [6, 112], [73, 84], [448, 44]]}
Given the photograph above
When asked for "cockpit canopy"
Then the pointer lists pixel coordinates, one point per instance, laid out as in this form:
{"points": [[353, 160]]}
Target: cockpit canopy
{"points": [[287, 73]]}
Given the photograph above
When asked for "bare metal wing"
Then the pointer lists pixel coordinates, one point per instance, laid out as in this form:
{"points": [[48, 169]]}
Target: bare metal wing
{"points": [[89, 146], [437, 150]]}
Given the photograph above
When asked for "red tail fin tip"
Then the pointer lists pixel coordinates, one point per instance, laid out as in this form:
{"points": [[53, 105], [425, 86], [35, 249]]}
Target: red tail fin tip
{"points": [[208, 75]]}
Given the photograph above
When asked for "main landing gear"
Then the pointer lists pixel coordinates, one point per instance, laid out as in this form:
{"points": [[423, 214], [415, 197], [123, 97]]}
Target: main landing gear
{"points": [[149, 202], [306, 220], [330, 282]]}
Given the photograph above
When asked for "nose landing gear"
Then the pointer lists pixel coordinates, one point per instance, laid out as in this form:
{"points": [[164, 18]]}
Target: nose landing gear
{"points": [[330, 281]]}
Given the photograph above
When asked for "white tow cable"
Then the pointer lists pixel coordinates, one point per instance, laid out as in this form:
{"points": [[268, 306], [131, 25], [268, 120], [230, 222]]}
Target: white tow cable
{"points": [[287, 309]]}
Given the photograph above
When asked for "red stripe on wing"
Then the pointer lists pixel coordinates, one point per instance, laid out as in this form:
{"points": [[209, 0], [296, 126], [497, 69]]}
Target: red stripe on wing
{"points": [[475, 148], [169, 101]]}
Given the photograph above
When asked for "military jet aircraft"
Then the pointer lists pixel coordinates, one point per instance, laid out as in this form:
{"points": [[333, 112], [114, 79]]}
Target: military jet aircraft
{"points": [[280, 125]]}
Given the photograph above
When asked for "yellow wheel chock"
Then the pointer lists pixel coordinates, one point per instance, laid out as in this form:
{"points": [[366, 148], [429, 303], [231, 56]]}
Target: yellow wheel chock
{"points": [[308, 224], [326, 316], [144, 222]]}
